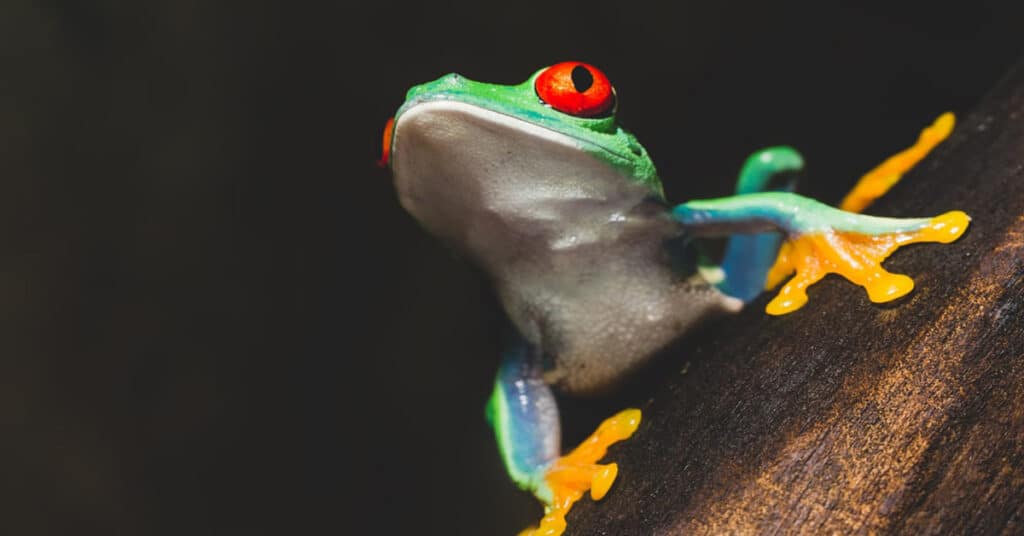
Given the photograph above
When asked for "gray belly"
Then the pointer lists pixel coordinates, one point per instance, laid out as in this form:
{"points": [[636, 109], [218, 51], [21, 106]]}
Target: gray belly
{"points": [[601, 310]]}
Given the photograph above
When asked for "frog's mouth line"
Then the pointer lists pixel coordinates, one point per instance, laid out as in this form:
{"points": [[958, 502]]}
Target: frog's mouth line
{"points": [[508, 120]]}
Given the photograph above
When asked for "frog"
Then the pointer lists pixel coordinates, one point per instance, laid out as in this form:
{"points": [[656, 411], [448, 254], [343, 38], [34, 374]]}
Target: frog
{"points": [[563, 210]]}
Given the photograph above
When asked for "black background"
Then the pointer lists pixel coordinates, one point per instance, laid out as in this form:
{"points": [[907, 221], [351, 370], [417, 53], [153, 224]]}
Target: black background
{"points": [[214, 316]]}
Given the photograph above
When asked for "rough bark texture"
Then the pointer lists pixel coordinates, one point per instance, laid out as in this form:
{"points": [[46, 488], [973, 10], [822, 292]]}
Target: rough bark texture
{"points": [[848, 417]]}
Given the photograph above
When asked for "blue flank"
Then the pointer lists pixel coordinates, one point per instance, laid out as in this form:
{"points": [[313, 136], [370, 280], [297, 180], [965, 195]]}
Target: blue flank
{"points": [[746, 263], [523, 412], [749, 257]]}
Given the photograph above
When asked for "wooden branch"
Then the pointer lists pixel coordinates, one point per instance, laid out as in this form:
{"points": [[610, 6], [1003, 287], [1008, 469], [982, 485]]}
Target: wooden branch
{"points": [[847, 417]]}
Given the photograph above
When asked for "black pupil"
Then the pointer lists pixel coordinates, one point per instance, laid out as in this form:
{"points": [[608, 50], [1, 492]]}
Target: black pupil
{"points": [[581, 78]]}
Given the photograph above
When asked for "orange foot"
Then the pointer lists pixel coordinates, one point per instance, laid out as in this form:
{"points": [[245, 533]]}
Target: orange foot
{"points": [[856, 257], [573, 474], [878, 181]]}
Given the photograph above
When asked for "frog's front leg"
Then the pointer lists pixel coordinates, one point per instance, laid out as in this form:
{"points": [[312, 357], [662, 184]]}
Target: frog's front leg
{"points": [[523, 412], [821, 240]]}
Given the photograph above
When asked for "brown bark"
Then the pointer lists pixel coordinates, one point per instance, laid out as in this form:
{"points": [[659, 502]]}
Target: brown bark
{"points": [[849, 417]]}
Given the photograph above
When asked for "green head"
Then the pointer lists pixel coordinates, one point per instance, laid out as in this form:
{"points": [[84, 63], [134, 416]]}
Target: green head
{"points": [[551, 99], [484, 166]]}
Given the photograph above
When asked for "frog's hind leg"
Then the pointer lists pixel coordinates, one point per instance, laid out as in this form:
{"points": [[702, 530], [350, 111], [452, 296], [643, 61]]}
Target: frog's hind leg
{"points": [[523, 412], [821, 240], [748, 257], [755, 261]]}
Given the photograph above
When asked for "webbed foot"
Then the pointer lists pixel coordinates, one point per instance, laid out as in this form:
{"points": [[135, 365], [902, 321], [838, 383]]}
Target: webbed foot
{"points": [[568, 477], [857, 256], [820, 239]]}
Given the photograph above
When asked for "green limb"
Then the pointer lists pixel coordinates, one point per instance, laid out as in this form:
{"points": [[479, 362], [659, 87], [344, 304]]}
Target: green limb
{"points": [[788, 212], [821, 240], [762, 167]]}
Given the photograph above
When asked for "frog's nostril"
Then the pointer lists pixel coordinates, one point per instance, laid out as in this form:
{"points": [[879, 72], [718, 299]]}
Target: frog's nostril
{"points": [[451, 80]]}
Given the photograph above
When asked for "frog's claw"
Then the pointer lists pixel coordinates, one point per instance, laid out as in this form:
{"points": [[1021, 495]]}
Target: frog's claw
{"points": [[568, 477], [855, 256]]}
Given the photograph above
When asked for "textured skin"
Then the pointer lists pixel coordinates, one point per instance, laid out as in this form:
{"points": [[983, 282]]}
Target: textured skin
{"points": [[579, 253]]}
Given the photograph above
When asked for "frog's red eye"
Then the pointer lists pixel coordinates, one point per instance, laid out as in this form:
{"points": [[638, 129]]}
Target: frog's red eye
{"points": [[576, 88]]}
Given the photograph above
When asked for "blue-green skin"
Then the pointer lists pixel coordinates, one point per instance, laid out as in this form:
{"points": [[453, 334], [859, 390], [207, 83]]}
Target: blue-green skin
{"points": [[522, 410]]}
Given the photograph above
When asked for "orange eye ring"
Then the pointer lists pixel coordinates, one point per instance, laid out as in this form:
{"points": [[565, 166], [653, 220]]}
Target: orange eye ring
{"points": [[576, 88]]}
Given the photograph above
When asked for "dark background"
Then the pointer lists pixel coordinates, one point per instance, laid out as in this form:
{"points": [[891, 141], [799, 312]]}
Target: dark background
{"points": [[216, 319]]}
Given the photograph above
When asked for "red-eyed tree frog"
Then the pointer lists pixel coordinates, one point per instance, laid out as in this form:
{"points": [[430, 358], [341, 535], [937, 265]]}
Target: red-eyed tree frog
{"points": [[562, 208]]}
